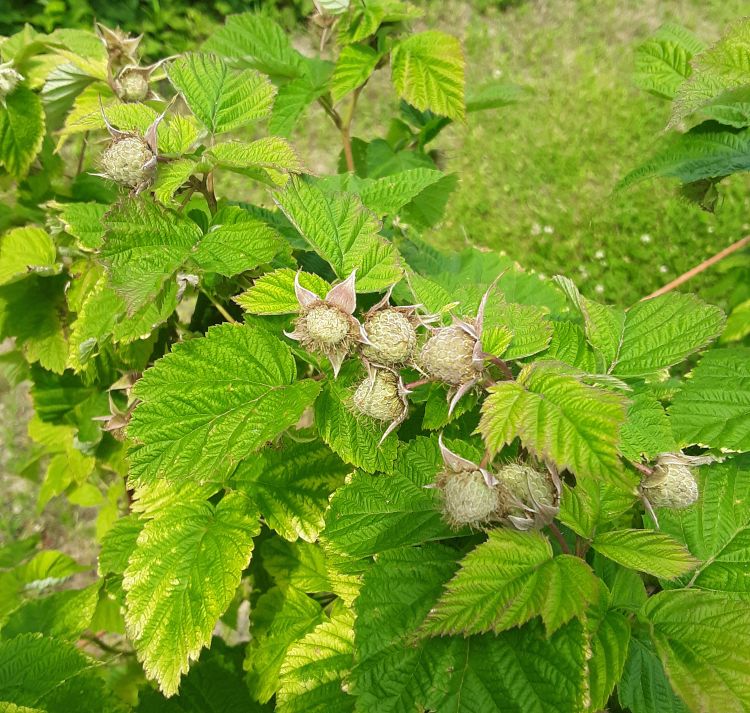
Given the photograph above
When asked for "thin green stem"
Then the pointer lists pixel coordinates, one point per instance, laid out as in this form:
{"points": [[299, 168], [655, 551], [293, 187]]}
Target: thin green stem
{"points": [[219, 307]]}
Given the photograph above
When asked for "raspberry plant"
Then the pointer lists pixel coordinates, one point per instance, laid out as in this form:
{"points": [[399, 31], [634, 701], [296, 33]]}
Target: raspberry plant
{"points": [[335, 468]]}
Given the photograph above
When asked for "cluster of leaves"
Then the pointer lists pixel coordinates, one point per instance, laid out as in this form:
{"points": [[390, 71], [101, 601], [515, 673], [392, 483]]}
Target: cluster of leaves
{"points": [[262, 546]]}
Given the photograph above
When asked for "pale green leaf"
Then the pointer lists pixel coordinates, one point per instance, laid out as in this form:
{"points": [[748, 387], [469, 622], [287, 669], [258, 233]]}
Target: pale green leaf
{"points": [[364, 19], [663, 331], [529, 328], [717, 528], [558, 416], [273, 293], [724, 66], [256, 41], [213, 401], [181, 577], [662, 63], [299, 564], [280, 619], [292, 101], [706, 151], [118, 544], [21, 130], [222, 99], [84, 221], [644, 687], [509, 579], [713, 406], [63, 615], [427, 70], [493, 96], [312, 676], [647, 551], [25, 250], [343, 233], [144, 247], [703, 639], [354, 66], [356, 439], [291, 487], [569, 345], [236, 241], [171, 177], [372, 513], [647, 429], [271, 159]]}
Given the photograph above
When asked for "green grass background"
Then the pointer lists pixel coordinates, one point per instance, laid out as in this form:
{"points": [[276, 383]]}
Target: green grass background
{"points": [[537, 178]]}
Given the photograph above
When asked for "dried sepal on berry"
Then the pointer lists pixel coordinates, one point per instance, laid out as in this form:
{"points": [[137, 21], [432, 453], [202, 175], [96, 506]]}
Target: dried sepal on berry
{"points": [[471, 495], [392, 333], [672, 483], [538, 490], [122, 49], [327, 325], [9, 79], [116, 423], [130, 159], [381, 395], [454, 354]]}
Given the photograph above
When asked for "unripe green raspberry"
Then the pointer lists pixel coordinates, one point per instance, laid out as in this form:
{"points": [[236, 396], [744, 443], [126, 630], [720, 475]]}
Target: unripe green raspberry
{"points": [[324, 326], [9, 80], [379, 398], [528, 484], [132, 86], [392, 338], [468, 500], [673, 486], [448, 356], [128, 161]]}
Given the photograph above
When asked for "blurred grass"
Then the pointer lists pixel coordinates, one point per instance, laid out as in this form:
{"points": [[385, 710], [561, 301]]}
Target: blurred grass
{"points": [[537, 178]]}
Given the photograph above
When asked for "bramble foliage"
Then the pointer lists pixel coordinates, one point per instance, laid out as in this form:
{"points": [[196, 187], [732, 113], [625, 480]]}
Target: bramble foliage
{"points": [[299, 514]]}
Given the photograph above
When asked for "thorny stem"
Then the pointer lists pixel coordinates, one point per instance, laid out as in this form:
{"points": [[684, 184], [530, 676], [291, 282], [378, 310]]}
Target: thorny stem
{"points": [[346, 129], [82, 153], [734, 247], [486, 458], [208, 191], [219, 308], [643, 468], [555, 530], [582, 547]]}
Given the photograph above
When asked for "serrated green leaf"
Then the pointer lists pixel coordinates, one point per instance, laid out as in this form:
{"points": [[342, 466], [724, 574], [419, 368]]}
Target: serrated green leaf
{"points": [[311, 679], [144, 247], [299, 564], [270, 159], [372, 513], [291, 487], [84, 221], [719, 68], [493, 96], [356, 439], [363, 20], [26, 250], [713, 407], [221, 98], [663, 331], [717, 528], [644, 687], [236, 241], [529, 328], [292, 100], [256, 41], [354, 66], [509, 579], [647, 429], [609, 637], [343, 233], [171, 177], [436, 408], [281, 618], [661, 66], [212, 402], [703, 639], [569, 345], [21, 130], [118, 544], [557, 416], [30, 311], [427, 70], [645, 550], [181, 577], [273, 293], [63, 615], [707, 151], [53, 675]]}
